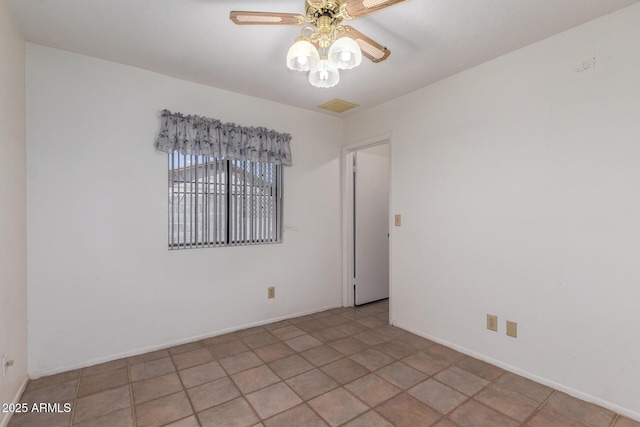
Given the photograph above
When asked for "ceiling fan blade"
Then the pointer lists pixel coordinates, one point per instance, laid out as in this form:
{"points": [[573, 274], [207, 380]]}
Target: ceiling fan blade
{"points": [[266, 18], [370, 48], [356, 8]]}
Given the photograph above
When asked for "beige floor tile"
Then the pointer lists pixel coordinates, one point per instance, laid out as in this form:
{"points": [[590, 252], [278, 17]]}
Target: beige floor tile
{"points": [[425, 363], [300, 415], [525, 387], [371, 337], [214, 393], [461, 380], [626, 422], [311, 384], [348, 346], [277, 325], [438, 396], [201, 374], [254, 379], [53, 380], [104, 367], [394, 333], [322, 355], [405, 411], [190, 421], [163, 411], [474, 414], [337, 406], [236, 413], [413, 340], [40, 419], [54, 393], [272, 400], [344, 370], [508, 402], [328, 335], [120, 418], [99, 404], [303, 342], [334, 320], [150, 369], [227, 348], [153, 388], [369, 419], [580, 410], [351, 328], [372, 389], [148, 357], [372, 359], [240, 362], [396, 349], [443, 354], [547, 417], [186, 347], [445, 423], [192, 358], [103, 381], [260, 339], [372, 322], [401, 375], [250, 331], [287, 332], [480, 368], [312, 325], [274, 352], [219, 339], [290, 366]]}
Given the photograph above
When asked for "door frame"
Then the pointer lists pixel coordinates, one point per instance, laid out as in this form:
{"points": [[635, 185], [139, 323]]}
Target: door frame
{"points": [[347, 215]]}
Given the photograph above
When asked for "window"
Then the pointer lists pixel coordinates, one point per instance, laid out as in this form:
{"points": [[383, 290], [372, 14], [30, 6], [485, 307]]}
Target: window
{"points": [[215, 202]]}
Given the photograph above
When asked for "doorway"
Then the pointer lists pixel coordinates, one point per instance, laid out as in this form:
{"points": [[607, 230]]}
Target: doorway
{"points": [[367, 213]]}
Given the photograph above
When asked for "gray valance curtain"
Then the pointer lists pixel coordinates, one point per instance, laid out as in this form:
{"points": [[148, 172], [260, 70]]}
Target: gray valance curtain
{"points": [[195, 135]]}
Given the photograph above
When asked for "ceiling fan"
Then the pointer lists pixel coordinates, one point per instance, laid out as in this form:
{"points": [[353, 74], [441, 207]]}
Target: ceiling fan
{"points": [[325, 45]]}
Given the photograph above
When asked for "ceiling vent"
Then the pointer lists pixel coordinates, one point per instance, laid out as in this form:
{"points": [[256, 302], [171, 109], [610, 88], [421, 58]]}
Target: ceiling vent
{"points": [[338, 105]]}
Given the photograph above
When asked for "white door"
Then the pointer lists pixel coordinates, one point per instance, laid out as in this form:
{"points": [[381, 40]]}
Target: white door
{"points": [[371, 218]]}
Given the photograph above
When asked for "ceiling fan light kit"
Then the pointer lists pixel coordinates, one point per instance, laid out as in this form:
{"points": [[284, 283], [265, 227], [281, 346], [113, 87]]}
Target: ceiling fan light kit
{"points": [[325, 45]]}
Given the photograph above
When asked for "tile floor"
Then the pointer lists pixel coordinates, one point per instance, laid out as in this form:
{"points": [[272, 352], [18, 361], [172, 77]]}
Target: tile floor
{"points": [[341, 367]]}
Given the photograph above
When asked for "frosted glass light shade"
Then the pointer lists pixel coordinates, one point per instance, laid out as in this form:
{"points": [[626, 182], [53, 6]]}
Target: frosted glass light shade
{"points": [[345, 53], [325, 75], [302, 56]]}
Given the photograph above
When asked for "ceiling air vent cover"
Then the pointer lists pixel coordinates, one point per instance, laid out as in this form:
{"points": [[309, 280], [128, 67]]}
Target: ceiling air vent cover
{"points": [[338, 105]]}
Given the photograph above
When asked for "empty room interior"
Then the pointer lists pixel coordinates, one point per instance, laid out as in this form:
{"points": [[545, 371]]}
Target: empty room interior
{"points": [[506, 216]]}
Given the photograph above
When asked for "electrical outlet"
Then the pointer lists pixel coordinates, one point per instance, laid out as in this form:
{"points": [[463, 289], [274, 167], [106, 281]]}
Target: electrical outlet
{"points": [[492, 322], [512, 329], [398, 220], [271, 292]]}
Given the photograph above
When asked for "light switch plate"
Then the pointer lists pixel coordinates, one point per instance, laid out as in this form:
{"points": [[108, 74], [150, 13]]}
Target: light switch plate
{"points": [[398, 220]]}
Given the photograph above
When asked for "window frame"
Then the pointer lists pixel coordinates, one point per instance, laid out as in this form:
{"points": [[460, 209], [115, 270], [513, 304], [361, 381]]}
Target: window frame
{"points": [[234, 202]]}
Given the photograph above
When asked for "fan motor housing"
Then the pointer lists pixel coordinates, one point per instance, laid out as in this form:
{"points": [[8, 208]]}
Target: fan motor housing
{"points": [[329, 8]]}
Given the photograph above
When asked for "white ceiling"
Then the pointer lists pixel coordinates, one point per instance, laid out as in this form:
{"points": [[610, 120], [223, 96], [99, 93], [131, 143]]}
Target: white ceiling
{"points": [[195, 40]]}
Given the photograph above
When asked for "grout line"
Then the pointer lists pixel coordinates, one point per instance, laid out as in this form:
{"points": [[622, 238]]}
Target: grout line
{"points": [[133, 406], [75, 400]]}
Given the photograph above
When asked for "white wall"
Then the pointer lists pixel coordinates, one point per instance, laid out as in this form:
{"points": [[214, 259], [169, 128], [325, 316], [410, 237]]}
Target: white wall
{"points": [[102, 283], [13, 207], [518, 185]]}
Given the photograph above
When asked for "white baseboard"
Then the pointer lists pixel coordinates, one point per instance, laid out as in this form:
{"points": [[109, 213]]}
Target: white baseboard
{"points": [[138, 351], [4, 421], [568, 390]]}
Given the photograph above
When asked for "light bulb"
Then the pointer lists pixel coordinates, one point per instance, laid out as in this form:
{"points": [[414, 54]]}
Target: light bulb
{"points": [[324, 75], [345, 53]]}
